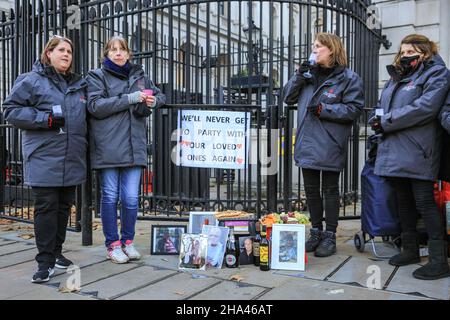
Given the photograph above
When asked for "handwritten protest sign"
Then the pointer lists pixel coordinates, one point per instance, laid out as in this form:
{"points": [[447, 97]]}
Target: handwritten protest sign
{"points": [[213, 139]]}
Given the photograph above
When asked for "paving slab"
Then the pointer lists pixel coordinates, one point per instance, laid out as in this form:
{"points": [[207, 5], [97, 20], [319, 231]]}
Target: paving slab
{"points": [[126, 282], [317, 268], [160, 261], [83, 253], [225, 273], [110, 281], [360, 270], [81, 258], [18, 257], [95, 272], [178, 287], [382, 249], [11, 287], [307, 289], [403, 281], [228, 290], [15, 236], [24, 271], [14, 247], [48, 293], [5, 242], [250, 273]]}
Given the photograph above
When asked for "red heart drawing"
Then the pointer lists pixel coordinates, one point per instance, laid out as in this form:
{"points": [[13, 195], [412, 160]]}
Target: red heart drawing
{"points": [[239, 160], [239, 145]]}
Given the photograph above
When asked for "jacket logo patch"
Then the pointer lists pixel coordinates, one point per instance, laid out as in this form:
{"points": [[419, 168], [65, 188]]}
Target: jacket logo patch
{"points": [[410, 86], [83, 99], [329, 93]]}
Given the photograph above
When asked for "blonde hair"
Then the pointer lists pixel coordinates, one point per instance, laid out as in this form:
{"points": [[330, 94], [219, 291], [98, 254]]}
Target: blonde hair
{"points": [[338, 55], [51, 45], [421, 44], [123, 43]]}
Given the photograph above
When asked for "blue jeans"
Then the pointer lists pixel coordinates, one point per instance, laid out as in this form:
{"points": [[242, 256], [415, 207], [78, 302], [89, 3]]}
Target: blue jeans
{"points": [[123, 182]]}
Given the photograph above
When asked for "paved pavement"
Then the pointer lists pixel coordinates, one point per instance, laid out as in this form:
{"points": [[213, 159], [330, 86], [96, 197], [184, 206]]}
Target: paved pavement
{"points": [[345, 275]]}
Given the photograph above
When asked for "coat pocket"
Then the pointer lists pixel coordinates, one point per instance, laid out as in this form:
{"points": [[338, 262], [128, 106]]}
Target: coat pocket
{"points": [[35, 139], [337, 133], [426, 152]]}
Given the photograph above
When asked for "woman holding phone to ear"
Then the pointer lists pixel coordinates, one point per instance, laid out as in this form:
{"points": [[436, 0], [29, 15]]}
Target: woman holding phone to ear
{"points": [[329, 98], [409, 148], [120, 98]]}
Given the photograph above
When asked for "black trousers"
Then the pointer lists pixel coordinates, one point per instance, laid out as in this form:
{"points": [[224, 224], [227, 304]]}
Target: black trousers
{"points": [[417, 197], [330, 188], [51, 215]]}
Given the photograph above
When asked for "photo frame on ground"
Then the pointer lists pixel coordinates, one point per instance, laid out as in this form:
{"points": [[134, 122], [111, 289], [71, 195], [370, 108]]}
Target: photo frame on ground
{"points": [[193, 251], [199, 218], [246, 250], [288, 247], [217, 244], [165, 239]]}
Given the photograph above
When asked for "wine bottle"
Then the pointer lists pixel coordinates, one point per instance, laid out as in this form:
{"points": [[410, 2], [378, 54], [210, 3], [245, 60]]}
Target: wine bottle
{"points": [[264, 251], [232, 252], [256, 244]]}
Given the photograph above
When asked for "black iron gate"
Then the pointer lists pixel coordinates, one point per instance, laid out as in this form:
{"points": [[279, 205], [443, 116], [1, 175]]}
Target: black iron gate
{"points": [[213, 55]]}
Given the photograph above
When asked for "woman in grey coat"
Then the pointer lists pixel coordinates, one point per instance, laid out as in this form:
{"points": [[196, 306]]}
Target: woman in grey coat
{"points": [[328, 103], [120, 98], [49, 105], [409, 149]]}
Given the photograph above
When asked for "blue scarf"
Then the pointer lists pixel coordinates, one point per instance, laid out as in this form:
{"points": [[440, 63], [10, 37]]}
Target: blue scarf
{"points": [[124, 70]]}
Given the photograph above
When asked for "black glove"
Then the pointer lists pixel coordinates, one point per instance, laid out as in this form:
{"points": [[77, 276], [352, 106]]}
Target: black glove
{"points": [[376, 124], [315, 109], [142, 110], [56, 122], [304, 67]]}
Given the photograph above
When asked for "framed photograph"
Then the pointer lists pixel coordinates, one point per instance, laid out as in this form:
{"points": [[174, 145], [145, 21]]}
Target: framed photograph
{"points": [[246, 250], [288, 247], [240, 226], [166, 239], [217, 244], [193, 250], [199, 218]]}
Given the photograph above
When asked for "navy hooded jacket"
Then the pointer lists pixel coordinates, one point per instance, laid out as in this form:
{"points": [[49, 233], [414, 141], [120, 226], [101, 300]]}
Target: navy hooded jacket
{"points": [[50, 159]]}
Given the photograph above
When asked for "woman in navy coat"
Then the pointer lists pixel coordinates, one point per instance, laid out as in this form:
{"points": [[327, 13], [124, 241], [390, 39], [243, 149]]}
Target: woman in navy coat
{"points": [[409, 148], [328, 103], [49, 105]]}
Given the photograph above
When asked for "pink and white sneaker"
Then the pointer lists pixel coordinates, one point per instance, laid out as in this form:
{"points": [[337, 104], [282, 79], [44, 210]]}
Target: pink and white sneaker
{"points": [[115, 253], [131, 251]]}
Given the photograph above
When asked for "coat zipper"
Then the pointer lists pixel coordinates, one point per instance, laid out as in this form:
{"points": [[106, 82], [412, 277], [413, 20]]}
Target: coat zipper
{"points": [[69, 90], [131, 133]]}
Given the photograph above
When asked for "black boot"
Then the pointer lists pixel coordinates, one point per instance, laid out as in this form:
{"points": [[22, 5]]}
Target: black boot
{"points": [[327, 246], [410, 250], [437, 266], [315, 235]]}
